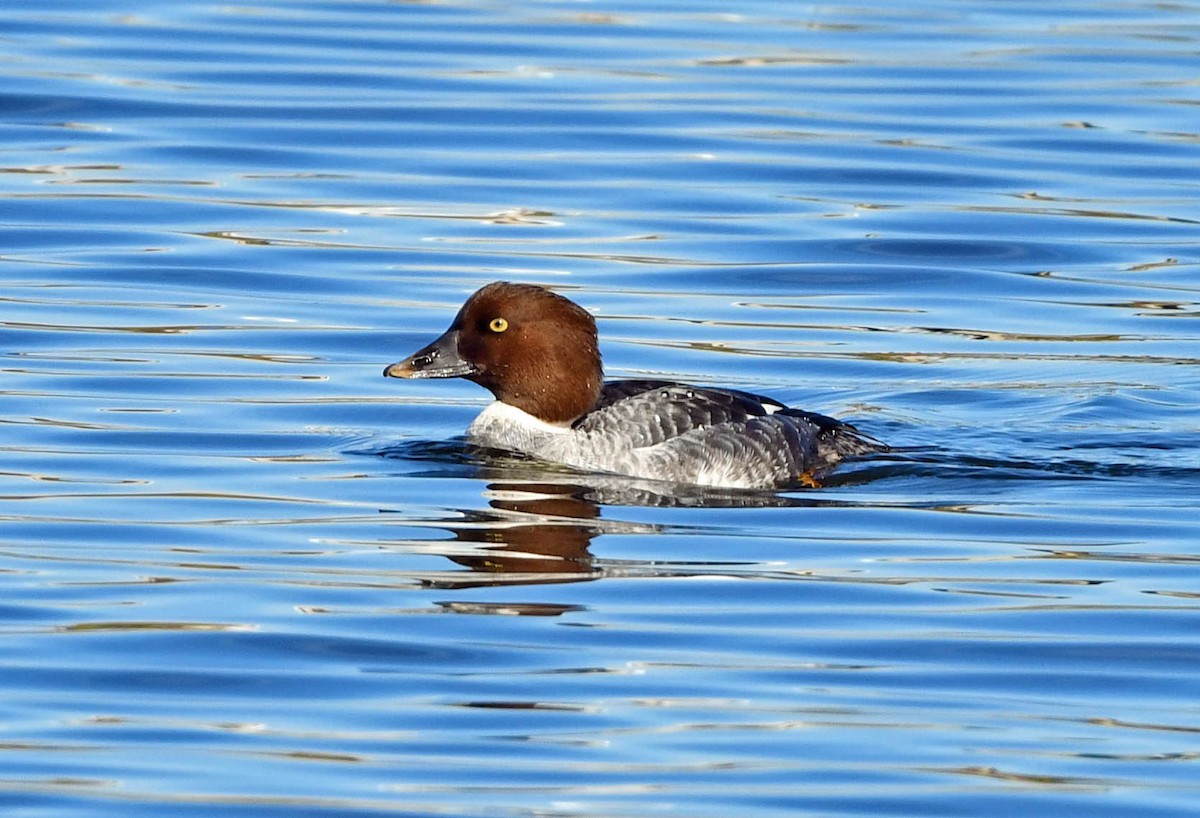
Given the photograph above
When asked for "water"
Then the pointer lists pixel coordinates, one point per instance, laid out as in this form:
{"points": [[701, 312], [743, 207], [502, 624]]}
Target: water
{"points": [[245, 575]]}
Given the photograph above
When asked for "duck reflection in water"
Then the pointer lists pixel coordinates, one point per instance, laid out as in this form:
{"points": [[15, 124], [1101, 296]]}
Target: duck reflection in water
{"points": [[538, 525], [534, 529]]}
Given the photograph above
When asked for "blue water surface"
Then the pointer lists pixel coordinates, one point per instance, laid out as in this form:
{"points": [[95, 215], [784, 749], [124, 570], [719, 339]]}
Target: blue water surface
{"points": [[246, 575]]}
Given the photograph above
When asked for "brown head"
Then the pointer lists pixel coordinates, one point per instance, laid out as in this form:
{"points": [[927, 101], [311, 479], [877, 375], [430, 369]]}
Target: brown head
{"points": [[533, 349]]}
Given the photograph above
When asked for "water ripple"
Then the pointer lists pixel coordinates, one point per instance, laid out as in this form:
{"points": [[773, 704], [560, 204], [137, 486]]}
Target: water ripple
{"points": [[247, 575]]}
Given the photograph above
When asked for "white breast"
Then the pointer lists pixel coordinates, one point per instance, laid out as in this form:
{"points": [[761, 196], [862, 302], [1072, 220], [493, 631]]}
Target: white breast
{"points": [[503, 426]]}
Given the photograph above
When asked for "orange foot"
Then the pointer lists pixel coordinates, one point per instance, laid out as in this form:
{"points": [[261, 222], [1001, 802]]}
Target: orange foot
{"points": [[810, 480]]}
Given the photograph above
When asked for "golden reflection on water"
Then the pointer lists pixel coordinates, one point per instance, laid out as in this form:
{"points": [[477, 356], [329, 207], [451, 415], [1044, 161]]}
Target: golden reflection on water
{"points": [[99, 627]]}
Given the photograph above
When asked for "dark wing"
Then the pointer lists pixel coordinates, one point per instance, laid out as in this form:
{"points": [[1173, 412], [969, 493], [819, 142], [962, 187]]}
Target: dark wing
{"points": [[744, 427], [741, 405], [656, 411]]}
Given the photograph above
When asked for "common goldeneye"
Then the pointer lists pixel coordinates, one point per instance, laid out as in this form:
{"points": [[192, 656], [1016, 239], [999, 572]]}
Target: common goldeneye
{"points": [[537, 353]]}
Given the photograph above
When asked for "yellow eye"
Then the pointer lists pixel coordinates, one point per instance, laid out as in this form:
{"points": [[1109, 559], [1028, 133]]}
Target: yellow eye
{"points": [[498, 325]]}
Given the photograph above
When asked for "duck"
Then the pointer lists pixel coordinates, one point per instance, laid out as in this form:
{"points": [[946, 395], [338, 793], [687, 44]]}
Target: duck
{"points": [[538, 353]]}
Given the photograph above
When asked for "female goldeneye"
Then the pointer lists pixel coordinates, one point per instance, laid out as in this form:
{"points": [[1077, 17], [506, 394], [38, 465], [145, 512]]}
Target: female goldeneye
{"points": [[537, 352]]}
